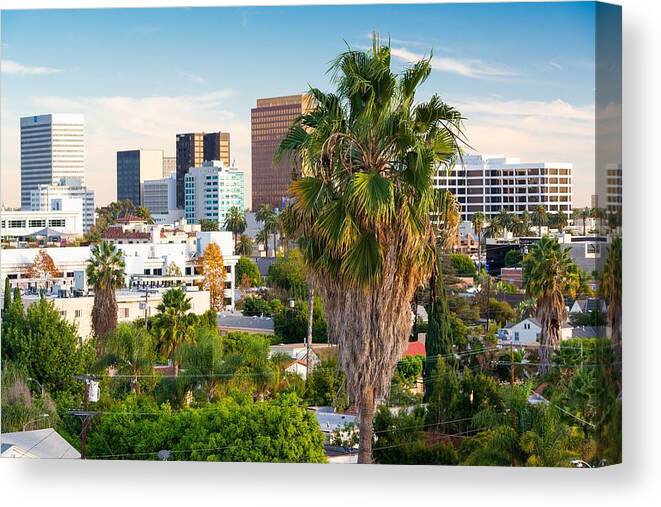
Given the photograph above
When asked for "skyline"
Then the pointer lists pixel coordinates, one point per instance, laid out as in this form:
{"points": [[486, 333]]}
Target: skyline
{"points": [[140, 76]]}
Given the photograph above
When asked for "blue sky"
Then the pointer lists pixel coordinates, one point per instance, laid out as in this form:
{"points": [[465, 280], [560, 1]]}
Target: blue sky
{"points": [[522, 74]]}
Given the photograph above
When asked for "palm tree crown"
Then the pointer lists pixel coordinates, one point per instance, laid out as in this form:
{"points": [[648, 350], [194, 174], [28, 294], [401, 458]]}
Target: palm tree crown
{"points": [[105, 273], [235, 222], [549, 274]]}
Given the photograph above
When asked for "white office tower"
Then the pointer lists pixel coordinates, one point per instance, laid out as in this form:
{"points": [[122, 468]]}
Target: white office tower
{"points": [[489, 184], [52, 147], [55, 198]]}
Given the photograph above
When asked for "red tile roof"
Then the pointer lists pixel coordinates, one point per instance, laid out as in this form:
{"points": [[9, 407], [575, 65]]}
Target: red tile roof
{"points": [[118, 233], [415, 349]]}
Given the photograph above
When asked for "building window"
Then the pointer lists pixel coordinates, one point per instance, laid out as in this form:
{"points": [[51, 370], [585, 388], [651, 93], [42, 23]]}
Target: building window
{"points": [[516, 336], [79, 313], [125, 313], [63, 314]]}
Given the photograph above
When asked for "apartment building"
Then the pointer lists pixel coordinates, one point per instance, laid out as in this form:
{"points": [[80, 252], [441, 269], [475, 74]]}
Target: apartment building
{"points": [[160, 196], [489, 184]]}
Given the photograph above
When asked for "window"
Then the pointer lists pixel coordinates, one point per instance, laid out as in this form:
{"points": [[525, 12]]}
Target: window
{"points": [[516, 336], [63, 314], [79, 313], [125, 313]]}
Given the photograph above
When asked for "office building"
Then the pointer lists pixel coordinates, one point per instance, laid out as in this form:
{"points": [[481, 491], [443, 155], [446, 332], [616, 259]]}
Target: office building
{"points": [[160, 196], [55, 197], [489, 184], [211, 190], [133, 168], [271, 120], [614, 188], [52, 147], [190, 153], [216, 146], [169, 166]]}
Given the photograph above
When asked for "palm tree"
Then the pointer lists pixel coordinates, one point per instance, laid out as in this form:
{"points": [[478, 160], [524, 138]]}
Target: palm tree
{"points": [[611, 288], [525, 222], [269, 218], [549, 274], [202, 360], [171, 324], [505, 219], [105, 273], [575, 215], [558, 220], [362, 211], [585, 214], [446, 216], [235, 222], [130, 350], [244, 246], [263, 238], [478, 226], [540, 218]]}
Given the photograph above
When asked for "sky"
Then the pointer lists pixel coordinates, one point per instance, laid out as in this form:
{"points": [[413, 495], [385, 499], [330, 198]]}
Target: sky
{"points": [[521, 74]]}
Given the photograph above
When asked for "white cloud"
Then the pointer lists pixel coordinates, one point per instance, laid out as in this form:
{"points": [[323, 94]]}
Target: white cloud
{"points": [[472, 68], [15, 68], [535, 131], [120, 123], [193, 77]]}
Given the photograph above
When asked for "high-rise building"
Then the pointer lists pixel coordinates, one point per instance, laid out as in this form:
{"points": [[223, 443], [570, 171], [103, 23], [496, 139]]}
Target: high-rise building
{"points": [[169, 166], [160, 196], [489, 184], [613, 188], [52, 147], [216, 146], [271, 120], [190, 153], [134, 167], [211, 190], [55, 197]]}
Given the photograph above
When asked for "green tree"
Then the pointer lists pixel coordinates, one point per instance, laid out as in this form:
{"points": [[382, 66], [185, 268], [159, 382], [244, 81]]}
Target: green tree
{"points": [[501, 311], [172, 324], [287, 273], [235, 222], [362, 210], [463, 264], [291, 324], [325, 385], [130, 350], [202, 361], [611, 288], [269, 218], [233, 429], [207, 225], [550, 442], [513, 257], [549, 274], [247, 267], [478, 227], [244, 246], [105, 273], [540, 218]]}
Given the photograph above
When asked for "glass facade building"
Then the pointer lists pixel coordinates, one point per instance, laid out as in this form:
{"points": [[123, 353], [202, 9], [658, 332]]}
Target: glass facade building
{"points": [[211, 190]]}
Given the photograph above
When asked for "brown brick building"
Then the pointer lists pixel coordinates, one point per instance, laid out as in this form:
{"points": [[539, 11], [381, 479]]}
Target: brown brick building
{"points": [[271, 120]]}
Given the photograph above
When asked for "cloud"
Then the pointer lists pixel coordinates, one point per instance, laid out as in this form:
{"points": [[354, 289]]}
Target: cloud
{"points": [[120, 122], [193, 77], [535, 131], [15, 68], [472, 68], [554, 64]]}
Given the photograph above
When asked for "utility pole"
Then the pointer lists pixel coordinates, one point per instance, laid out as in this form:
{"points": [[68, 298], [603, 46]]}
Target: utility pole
{"points": [[85, 414], [512, 364], [308, 339]]}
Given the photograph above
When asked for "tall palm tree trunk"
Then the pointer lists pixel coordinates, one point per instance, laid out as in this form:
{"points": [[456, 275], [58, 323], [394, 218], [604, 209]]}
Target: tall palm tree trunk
{"points": [[366, 418]]}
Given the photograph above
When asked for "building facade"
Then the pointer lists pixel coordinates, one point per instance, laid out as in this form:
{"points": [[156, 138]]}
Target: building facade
{"points": [[614, 188], [134, 167], [190, 153], [216, 146], [54, 197], [489, 184], [270, 123], [211, 190], [20, 225], [169, 166], [52, 147], [160, 196]]}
